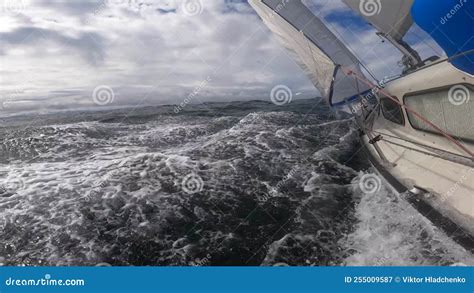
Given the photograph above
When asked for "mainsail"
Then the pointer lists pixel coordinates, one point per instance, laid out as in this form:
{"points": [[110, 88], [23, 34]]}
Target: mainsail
{"points": [[392, 19], [325, 59]]}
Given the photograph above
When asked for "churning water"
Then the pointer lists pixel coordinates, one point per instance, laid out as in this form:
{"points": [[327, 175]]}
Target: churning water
{"points": [[244, 183]]}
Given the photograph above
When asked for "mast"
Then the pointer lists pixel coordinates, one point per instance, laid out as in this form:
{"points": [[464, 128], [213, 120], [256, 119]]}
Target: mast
{"points": [[392, 19], [411, 59]]}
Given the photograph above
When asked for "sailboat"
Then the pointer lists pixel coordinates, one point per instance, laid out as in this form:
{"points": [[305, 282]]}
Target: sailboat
{"points": [[417, 128]]}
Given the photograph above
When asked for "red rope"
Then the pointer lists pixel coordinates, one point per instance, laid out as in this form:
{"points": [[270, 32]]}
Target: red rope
{"points": [[449, 137]]}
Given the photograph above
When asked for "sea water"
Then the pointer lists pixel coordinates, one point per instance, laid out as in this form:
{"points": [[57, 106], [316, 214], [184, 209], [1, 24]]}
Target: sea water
{"points": [[241, 183]]}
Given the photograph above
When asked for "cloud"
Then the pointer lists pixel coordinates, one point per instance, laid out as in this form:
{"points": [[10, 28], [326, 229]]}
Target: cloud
{"points": [[90, 45], [57, 52], [147, 51], [72, 7]]}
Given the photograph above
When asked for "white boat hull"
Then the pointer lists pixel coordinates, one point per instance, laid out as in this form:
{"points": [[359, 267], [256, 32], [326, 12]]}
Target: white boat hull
{"points": [[446, 180]]}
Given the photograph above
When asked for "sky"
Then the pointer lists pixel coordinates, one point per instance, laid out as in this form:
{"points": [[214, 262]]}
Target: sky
{"points": [[71, 54]]}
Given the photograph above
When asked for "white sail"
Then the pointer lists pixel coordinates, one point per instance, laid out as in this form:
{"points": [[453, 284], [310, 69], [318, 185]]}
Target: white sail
{"points": [[317, 50], [390, 17]]}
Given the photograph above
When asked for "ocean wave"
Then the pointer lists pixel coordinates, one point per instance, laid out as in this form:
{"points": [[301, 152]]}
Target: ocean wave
{"points": [[244, 187]]}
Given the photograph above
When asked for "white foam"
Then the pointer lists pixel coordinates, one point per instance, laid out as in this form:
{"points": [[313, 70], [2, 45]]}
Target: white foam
{"points": [[391, 232]]}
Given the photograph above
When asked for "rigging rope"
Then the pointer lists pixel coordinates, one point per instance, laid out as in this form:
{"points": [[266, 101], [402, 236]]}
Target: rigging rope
{"points": [[349, 72], [347, 44]]}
